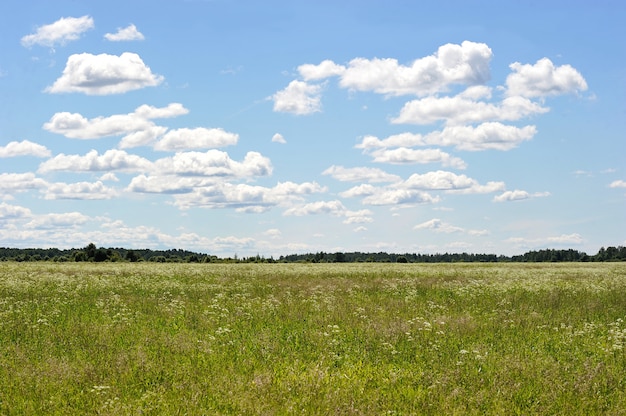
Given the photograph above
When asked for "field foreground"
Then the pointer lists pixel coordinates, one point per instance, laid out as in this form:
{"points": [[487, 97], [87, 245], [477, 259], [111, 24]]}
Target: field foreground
{"points": [[381, 339]]}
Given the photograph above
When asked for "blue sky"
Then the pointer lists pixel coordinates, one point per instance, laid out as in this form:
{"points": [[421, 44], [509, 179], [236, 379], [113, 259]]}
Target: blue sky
{"points": [[278, 127]]}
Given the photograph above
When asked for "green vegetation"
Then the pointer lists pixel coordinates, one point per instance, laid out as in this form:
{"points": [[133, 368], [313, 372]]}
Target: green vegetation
{"points": [[366, 338], [93, 254]]}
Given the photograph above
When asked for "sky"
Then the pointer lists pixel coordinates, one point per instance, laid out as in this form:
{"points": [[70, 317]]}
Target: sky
{"points": [[240, 127]]}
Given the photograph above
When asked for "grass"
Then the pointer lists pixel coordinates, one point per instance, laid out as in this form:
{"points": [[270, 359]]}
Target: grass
{"points": [[381, 339]]}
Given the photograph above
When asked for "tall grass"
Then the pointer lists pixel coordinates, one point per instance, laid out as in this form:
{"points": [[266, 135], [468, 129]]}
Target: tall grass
{"points": [[128, 339]]}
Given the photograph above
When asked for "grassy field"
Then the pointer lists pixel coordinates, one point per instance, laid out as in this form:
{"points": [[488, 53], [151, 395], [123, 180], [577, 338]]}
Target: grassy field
{"points": [[338, 339]]}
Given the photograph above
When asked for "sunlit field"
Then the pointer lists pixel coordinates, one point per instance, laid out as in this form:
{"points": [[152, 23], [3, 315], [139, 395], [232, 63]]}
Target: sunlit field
{"points": [[339, 339]]}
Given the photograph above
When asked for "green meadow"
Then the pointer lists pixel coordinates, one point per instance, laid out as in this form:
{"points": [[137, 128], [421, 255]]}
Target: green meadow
{"points": [[312, 339]]}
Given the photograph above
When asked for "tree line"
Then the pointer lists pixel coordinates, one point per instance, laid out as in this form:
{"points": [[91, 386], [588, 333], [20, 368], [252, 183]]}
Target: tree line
{"points": [[91, 253]]}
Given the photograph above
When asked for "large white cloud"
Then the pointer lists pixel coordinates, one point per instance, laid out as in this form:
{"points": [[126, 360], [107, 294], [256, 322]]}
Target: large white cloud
{"points": [[485, 136], [438, 180], [136, 127], [403, 155], [543, 79], [360, 174], [334, 208], [60, 32], [245, 197], [8, 212], [398, 197], [214, 163], [198, 138], [467, 63], [57, 220], [127, 33], [19, 182], [104, 74], [460, 110], [298, 98], [111, 160], [23, 148], [79, 190]]}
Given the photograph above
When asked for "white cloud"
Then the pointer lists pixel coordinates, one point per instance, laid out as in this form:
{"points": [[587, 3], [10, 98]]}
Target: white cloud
{"points": [[23, 148], [244, 197], [485, 136], [273, 233], [618, 184], [184, 138], [467, 63], [334, 208], [137, 127], [360, 174], [543, 79], [278, 138], [573, 238], [51, 221], [298, 98], [399, 197], [111, 160], [325, 69], [214, 163], [461, 109], [563, 239], [518, 195], [443, 227], [127, 33], [104, 74], [109, 176], [60, 32], [359, 191], [438, 180], [403, 155], [19, 182], [142, 137], [13, 211], [163, 184], [79, 190]]}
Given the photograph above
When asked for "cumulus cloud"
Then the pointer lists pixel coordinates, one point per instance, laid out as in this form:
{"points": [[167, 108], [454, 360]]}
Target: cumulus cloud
{"points": [[298, 98], [397, 197], [467, 63], [111, 160], [618, 184], [325, 69], [518, 195], [79, 190], [439, 226], [485, 136], [104, 74], [23, 148], [462, 109], [60, 32], [360, 174], [127, 33], [185, 138], [19, 182], [8, 212], [403, 155], [214, 163], [278, 138], [438, 180], [54, 220], [137, 127], [244, 197], [543, 79], [334, 208]]}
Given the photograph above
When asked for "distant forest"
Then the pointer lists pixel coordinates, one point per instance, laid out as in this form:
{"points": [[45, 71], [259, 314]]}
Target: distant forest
{"points": [[91, 253]]}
